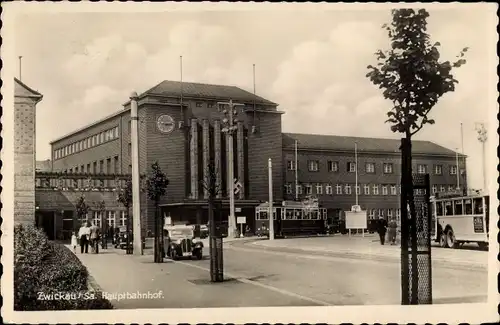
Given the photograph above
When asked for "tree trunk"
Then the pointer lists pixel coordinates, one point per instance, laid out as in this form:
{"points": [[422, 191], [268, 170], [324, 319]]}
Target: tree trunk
{"points": [[157, 252]]}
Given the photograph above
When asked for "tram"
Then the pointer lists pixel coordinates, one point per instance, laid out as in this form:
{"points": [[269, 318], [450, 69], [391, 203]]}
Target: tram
{"points": [[292, 218]]}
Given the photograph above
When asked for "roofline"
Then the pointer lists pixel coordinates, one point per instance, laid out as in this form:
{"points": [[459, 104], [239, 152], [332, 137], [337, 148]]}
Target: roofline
{"points": [[146, 94], [36, 94], [398, 153]]}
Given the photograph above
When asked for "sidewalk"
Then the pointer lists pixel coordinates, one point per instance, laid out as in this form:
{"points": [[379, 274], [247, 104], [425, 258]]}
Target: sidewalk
{"points": [[369, 247], [131, 281]]}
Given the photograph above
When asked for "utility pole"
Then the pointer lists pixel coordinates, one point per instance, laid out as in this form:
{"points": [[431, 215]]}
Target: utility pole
{"points": [[136, 199], [271, 214], [483, 137], [229, 128]]}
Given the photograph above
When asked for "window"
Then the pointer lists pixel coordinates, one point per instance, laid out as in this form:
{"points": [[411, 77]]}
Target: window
{"points": [[468, 206], [123, 219], [319, 189], [299, 189], [88, 168], [398, 214], [351, 167], [288, 188], [448, 208], [388, 168], [112, 219], [96, 220], [478, 205], [393, 190], [210, 105], [458, 207], [116, 165], [76, 170], [348, 189], [438, 170], [439, 208], [290, 165], [198, 104], [339, 189], [384, 190], [370, 168], [451, 188], [399, 189], [375, 189], [92, 141], [102, 137], [453, 170], [129, 149], [106, 136], [329, 190], [422, 169], [82, 168], [389, 213], [371, 214], [333, 166], [309, 189], [358, 189], [367, 189], [95, 167], [442, 188], [116, 132], [313, 165], [101, 167], [381, 213]]}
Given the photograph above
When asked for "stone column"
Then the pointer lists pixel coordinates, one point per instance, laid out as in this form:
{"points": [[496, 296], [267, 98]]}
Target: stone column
{"points": [[241, 159], [206, 156], [217, 155], [194, 158]]}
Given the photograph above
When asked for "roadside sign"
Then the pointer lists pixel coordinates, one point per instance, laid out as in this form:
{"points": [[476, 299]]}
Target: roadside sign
{"points": [[241, 220]]}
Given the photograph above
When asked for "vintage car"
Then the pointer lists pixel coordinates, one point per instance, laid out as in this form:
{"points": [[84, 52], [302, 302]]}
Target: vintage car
{"points": [[180, 242], [121, 239], [204, 232]]}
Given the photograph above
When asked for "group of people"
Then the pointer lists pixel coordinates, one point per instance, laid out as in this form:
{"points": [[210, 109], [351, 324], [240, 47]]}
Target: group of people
{"points": [[391, 227], [88, 235]]}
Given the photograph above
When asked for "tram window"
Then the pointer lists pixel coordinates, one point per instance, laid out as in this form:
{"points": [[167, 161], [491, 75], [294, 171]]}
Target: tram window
{"points": [[458, 207], [448, 208], [298, 214], [468, 206], [478, 206], [439, 208], [263, 215]]}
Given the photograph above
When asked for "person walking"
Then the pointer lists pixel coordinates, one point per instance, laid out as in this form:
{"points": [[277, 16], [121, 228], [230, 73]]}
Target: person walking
{"points": [[393, 226], [382, 229], [94, 238], [84, 235], [74, 241]]}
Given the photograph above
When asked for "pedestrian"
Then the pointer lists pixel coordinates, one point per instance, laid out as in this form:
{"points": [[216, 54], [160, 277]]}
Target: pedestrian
{"points": [[393, 226], [74, 241], [382, 228], [94, 238], [84, 235]]}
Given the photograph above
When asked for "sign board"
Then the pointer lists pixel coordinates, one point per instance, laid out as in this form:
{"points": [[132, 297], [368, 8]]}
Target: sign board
{"points": [[241, 220], [356, 208], [478, 225], [355, 220], [237, 210]]}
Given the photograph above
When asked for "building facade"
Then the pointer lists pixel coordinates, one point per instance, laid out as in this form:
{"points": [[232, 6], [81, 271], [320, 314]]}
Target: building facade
{"points": [[181, 126], [326, 169], [25, 101]]}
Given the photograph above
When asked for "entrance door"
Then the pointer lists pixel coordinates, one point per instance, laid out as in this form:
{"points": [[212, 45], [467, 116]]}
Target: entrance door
{"points": [[46, 221]]}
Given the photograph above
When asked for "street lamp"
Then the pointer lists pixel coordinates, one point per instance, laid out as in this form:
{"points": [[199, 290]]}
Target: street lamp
{"points": [[482, 137], [229, 127]]}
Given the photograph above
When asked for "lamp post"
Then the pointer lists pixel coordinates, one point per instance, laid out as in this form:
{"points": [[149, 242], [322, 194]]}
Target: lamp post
{"points": [[229, 127], [482, 137]]}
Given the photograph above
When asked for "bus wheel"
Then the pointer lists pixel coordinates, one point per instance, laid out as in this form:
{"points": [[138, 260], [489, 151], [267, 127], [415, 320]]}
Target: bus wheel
{"points": [[442, 241], [450, 239]]}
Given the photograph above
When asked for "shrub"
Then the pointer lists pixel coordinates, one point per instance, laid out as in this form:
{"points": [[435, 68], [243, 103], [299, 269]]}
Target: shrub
{"points": [[45, 267]]}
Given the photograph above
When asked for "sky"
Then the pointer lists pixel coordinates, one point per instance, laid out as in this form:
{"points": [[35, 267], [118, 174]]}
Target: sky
{"points": [[311, 62]]}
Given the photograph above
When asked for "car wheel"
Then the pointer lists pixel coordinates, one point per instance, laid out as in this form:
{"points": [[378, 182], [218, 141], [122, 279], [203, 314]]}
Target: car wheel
{"points": [[173, 254], [442, 241]]}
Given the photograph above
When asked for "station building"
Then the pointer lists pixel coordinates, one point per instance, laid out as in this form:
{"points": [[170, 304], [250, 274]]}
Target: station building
{"points": [[181, 127]]}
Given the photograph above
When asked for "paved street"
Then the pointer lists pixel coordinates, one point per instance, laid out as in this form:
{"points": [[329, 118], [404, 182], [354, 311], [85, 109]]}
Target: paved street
{"points": [[274, 276]]}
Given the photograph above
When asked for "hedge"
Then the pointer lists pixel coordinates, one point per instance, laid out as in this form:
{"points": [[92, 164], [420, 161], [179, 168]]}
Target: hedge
{"points": [[46, 268]]}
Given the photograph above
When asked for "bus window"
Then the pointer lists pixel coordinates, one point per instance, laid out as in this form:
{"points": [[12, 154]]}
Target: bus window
{"points": [[448, 208], [439, 208], [468, 206], [478, 205], [458, 207]]}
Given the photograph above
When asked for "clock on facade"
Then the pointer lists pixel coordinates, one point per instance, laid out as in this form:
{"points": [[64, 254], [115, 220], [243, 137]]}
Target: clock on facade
{"points": [[165, 123]]}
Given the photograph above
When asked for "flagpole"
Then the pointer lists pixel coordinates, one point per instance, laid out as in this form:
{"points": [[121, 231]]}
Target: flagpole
{"points": [[254, 94], [182, 88], [296, 173]]}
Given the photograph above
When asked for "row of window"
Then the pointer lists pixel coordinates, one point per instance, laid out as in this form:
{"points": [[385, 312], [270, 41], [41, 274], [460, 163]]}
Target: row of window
{"points": [[460, 207], [87, 143], [388, 168], [368, 189], [93, 168], [114, 218]]}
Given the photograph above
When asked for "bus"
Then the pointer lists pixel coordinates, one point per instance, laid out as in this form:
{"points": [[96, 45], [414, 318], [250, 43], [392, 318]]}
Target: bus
{"points": [[459, 219], [291, 219]]}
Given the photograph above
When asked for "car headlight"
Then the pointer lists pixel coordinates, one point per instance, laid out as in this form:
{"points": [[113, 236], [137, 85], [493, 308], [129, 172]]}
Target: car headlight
{"points": [[179, 241]]}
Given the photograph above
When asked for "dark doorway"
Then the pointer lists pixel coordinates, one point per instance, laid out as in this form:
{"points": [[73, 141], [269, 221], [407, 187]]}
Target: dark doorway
{"points": [[45, 220]]}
